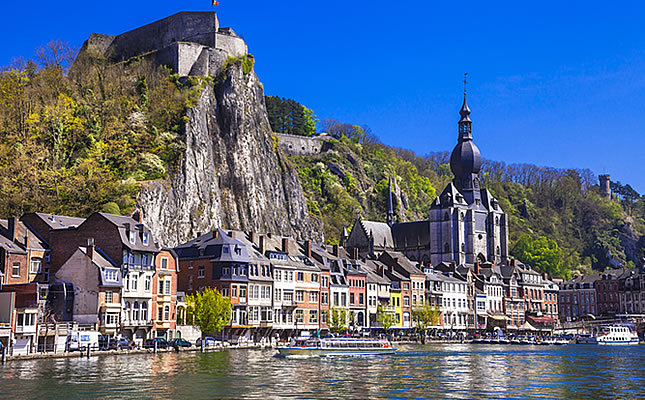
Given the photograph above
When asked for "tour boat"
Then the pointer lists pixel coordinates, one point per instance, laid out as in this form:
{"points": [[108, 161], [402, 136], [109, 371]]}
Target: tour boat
{"points": [[336, 347], [617, 334]]}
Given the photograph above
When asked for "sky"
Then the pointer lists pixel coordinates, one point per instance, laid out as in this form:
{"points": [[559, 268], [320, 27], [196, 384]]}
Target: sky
{"points": [[551, 84]]}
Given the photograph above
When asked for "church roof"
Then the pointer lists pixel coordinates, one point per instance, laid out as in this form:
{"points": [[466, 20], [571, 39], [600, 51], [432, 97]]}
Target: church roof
{"points": [[450, 196], [489, 201], [381, 232], [411, 234]]}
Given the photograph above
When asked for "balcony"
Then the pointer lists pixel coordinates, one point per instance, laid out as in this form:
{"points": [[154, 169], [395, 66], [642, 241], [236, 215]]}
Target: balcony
{"points": [[288, 303]]}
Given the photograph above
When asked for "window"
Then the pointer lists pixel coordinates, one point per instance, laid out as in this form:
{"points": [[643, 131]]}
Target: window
{"points": [[233, 291], [325, 281], [226, 271], [406, 301], [360, 298], [164, 263], [314, 277], [148, 283], [336, 299], [300, 316], [135, 311], [406, 286], [34, 266], [324, 298], [15, 270], [291, 276], [111, 275], [160, 314], [132, 235], [287, 296], [243, 292], [313, 297], [343, 298], [277, 294], [144, 311], [200, 271], [225, 291], [351, 298], [278, 275], [300, 294], [313, 316], [168, 282], [134, 280], [166, 313], [145, 238], [108, 297]]}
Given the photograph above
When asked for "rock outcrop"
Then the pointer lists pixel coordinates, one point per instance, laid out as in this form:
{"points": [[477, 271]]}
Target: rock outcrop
{"points": [[232, 174]]}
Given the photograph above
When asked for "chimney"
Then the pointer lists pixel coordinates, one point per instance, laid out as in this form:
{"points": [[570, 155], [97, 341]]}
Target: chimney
{"points": [[355, 253], [334, 250], [138, 216], [477, 268], [453, 267], [231, 234], [26, 241], [13, 225], [545, 276], [308, 248], [262, 244], [90, 248], [285, 245], [252, 237], [215, 234]]}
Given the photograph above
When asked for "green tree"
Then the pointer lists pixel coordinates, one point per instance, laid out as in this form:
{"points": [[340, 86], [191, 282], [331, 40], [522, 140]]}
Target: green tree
{"points": [[208, 310], [337, 318], [542, 254], [424, 316], [387, 319]]}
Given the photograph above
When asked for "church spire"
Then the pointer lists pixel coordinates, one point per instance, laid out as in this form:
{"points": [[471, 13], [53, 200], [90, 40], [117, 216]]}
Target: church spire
{"points": [[465, 132], [390, 209]]}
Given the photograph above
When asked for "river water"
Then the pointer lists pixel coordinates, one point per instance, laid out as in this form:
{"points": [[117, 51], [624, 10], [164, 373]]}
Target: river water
{"points": [[434, 371]]}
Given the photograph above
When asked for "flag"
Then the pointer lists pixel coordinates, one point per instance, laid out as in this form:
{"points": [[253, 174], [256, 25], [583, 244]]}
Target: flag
{"points": [[215, 2]]}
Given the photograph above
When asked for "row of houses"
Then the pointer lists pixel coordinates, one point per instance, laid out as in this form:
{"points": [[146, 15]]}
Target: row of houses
{"points": [[102, 273], [610, 293], [106, 273]]}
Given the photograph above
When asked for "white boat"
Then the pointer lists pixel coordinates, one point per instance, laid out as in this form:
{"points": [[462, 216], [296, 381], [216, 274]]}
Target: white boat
{"points": [[617, 334], [336, 347]]}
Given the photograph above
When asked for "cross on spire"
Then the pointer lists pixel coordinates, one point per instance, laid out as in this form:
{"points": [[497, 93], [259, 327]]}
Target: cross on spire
{"points": [[465, 82]]}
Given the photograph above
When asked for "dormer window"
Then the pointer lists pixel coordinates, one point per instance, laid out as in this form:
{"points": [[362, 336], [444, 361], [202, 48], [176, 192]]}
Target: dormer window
{"points": [[132, 235], [145, 238]]}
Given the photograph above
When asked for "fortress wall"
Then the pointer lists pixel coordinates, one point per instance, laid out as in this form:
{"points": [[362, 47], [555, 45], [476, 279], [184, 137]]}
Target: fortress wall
{"points": [[216, 58], [300, 145], [196, 27], [99, 42], [233, 45], [187, 55]]}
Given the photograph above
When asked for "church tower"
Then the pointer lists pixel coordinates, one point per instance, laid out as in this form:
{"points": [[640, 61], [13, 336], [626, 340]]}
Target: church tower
{"points": [[465, 160]]}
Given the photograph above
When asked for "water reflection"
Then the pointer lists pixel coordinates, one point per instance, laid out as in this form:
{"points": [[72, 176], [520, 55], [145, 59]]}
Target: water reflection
{"points": [[449, 371]]}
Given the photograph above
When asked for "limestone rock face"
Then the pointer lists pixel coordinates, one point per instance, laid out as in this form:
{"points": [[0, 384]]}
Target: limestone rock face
{"points": [[232, 174]]}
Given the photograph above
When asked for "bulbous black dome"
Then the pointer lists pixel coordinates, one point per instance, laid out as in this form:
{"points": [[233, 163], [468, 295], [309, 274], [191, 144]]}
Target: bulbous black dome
{"points": [[465, 159]]}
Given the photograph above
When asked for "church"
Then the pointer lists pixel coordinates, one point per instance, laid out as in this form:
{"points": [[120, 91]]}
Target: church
{"points": [[466, 224]]}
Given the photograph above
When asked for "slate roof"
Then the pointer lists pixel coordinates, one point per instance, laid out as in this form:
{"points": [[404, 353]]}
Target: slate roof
{"points": [[411, 234], [216, 245], [60, 221], [124, 223], [18, 246], [450, 196], [381, 232]]}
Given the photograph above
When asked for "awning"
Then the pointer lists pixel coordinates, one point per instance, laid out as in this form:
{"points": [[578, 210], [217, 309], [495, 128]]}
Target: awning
{"points": [[499, 317], [527, 327]]}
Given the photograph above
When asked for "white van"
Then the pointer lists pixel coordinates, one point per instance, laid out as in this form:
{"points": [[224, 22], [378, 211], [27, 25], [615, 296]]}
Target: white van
{"points": [[82, 340]]}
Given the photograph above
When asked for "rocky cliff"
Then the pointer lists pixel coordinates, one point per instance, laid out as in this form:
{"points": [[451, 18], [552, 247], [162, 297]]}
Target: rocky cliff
{"points": [[232, 173]]}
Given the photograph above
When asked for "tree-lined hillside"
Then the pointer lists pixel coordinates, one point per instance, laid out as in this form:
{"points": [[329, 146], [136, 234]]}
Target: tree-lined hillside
{"points": [[559, 222]]}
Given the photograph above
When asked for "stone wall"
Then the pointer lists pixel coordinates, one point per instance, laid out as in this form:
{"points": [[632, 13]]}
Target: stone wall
{"points": [[194, 27], [302, 145]]}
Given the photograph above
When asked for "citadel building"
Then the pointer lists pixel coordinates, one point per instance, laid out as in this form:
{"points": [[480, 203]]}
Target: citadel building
{"points": [[466, 225]]}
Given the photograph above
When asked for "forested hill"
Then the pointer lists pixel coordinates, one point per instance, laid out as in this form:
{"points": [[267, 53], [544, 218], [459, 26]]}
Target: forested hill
{"points": [[559, 222]]}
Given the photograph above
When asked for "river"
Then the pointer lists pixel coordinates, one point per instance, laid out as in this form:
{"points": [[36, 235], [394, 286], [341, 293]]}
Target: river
{"points": [[433, 371]]}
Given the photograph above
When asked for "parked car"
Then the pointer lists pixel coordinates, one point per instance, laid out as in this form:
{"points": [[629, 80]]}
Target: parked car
{"points": [[125, 344], [178, 342], [208, 342], [150, 343], [107, 342]]}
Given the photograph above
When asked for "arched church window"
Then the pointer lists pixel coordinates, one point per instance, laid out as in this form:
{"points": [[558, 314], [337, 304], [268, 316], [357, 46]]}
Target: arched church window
{"points": [[476, 183], [446, 248], [496, 220], [463, 247], [498, 251], [461, 216], [480, 236]]}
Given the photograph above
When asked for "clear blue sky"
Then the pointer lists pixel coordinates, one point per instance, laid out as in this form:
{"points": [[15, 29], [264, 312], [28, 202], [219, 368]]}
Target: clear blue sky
{"points": [[552, 84]]}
